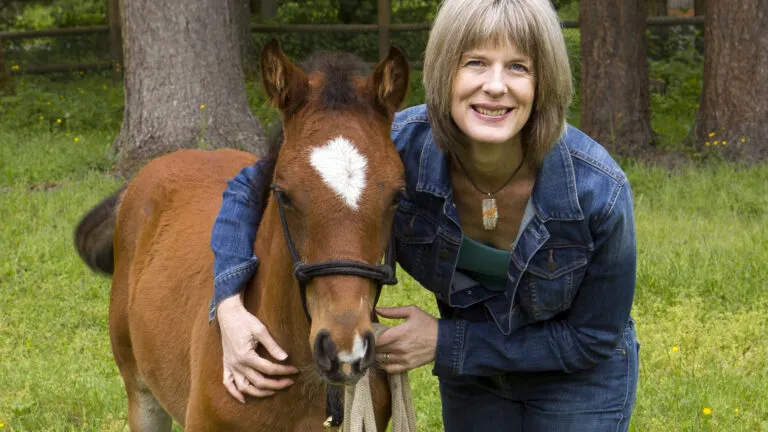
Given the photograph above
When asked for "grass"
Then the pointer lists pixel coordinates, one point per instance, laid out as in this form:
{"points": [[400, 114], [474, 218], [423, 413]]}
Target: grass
{"points": [[702, 315]]}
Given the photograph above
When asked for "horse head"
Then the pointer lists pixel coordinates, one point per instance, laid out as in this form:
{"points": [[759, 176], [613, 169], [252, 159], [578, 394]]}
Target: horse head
{"points": [[337, 181]]}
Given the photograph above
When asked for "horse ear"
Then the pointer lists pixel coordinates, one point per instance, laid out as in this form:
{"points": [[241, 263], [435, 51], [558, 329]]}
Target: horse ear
{"points": [[285, 84], [389, 81]]}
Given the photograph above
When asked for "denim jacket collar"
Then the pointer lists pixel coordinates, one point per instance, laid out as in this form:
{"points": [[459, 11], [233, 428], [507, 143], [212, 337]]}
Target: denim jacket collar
{"points": [[554, 194]]}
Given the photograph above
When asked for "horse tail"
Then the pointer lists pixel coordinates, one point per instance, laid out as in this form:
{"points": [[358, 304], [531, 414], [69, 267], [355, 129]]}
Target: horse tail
{"points": [[95, 232]]}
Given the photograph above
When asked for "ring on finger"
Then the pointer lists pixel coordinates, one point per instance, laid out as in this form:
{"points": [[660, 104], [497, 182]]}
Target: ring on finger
{"points": [[386, 357]]}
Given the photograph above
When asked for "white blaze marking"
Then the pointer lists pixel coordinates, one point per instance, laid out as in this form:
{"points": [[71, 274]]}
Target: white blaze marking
{"points": [[359, 346], [342, 168]]}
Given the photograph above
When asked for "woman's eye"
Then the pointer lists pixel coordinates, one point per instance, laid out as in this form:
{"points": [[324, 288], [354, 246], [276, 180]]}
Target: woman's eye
{"points": [[474, 63], [517, 67]]}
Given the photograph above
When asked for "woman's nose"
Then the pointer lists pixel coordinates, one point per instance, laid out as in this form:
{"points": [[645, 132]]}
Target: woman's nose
{"points": [[494, 84]]}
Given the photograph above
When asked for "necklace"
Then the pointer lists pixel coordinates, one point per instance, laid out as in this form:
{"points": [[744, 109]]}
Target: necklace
{"points": [[490, 210]]}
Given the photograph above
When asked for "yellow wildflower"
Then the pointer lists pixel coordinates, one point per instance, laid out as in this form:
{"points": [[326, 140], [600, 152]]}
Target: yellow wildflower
{"points": [[711, 134], [677, 348], [42, 118], [736, 410], [707, 143], [58, 121], [743, 139], [716, 143], [77, 139], [725, 142], [202, 106], [707, 411], [15, 67]]}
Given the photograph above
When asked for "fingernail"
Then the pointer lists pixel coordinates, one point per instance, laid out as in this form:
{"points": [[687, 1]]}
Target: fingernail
{"points": [[282, 356]]}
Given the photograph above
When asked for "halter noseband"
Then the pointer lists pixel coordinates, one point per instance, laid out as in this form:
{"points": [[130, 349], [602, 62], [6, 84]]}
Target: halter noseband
{"points": [[382, 274]]}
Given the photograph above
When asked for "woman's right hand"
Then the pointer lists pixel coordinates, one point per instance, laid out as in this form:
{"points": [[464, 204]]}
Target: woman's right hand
{"points": [[244, 369]]}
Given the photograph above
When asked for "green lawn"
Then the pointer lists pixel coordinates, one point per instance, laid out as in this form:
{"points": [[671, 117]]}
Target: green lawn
{"points": [[701, 308]]}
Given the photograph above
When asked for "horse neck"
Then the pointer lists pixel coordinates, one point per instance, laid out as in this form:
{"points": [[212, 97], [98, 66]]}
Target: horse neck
{"points": [[274, 296]]}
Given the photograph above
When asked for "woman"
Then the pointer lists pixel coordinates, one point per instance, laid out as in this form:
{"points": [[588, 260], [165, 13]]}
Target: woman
{"points": [[521, 226]]}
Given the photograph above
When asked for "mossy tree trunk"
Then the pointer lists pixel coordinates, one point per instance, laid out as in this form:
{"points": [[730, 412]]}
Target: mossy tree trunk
{"points": [[614, 75], [733, 111], [184, 82]]}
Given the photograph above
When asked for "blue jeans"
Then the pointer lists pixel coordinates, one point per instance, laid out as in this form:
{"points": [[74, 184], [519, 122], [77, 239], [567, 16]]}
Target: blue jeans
{"points": [[594, 400]]}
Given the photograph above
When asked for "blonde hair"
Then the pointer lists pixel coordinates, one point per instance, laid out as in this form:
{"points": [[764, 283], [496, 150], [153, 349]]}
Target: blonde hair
{"points": [[532, 26]]}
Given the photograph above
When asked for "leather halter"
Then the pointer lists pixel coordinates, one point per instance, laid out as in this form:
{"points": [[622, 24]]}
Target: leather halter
{"points": [[382, 274]]}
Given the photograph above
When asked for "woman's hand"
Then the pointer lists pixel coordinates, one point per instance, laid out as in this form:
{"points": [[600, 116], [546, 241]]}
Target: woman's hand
{"points": [[244, 369], [409, 344]]}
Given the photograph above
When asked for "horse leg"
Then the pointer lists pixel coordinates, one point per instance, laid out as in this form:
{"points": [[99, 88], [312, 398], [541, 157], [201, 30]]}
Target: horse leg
{"points": [[145, 414]]}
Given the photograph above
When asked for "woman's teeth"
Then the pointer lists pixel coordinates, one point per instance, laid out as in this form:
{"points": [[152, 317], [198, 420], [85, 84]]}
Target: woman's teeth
{"points": [[491, 112]]}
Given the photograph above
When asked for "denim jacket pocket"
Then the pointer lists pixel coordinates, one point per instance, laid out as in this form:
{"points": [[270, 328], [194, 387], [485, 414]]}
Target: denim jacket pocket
{"points": [[551, 280], [466, 292]]}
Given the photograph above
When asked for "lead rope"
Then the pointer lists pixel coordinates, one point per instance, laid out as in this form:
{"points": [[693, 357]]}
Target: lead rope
{"points": [[358, 404]]}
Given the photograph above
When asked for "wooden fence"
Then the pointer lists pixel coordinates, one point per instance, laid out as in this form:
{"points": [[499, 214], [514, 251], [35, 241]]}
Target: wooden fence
{"points": [[384, 27]]}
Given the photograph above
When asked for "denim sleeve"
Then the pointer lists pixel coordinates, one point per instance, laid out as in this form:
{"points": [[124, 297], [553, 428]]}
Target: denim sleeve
{"points": [[585, 335], [234, 233]]}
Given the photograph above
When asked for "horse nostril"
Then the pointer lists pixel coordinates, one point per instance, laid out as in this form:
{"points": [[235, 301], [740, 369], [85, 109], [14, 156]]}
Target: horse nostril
{"points": [[370, 352], [325, 351]]}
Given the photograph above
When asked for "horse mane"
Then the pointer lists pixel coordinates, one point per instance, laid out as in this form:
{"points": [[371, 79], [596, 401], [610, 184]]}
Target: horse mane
{"points": [[268, 162], [338, 92], [339, 68]]}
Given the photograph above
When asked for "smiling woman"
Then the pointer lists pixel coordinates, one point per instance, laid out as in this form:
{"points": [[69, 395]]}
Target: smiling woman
{"points": [[521, 227]]}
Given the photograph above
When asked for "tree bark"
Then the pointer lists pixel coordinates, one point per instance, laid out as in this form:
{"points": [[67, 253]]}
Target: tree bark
{"points": [[614, 75], [184, 83], [733, 108], [247, 49]]}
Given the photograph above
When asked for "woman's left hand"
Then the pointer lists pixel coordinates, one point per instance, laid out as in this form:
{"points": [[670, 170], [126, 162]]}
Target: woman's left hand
{"points": [[409, 344]]}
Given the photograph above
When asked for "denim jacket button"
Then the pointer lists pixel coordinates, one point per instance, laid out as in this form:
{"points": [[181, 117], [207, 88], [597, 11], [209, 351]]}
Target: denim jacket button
{"points": [[443, 254]]}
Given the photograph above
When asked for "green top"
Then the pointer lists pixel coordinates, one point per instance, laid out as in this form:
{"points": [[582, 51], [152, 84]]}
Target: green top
{"points": [[484, 264]]}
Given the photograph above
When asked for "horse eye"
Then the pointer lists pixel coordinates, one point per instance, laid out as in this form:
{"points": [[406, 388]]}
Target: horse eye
{"points": [[282, 197]]}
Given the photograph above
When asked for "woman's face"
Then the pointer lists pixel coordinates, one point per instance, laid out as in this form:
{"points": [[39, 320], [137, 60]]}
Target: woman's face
{"points": [[493, 93]]}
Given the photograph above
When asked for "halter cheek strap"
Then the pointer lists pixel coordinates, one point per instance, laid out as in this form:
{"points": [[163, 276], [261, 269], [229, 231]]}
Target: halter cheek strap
{"points": [[382, 274]]}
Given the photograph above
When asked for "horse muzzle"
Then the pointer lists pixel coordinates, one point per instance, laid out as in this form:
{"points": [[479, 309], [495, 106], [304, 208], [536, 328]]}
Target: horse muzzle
{"points": [[342, 366]]}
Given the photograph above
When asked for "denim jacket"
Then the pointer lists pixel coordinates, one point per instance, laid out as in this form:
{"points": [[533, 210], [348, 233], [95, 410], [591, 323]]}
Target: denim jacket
{"points": [[570, 279]]}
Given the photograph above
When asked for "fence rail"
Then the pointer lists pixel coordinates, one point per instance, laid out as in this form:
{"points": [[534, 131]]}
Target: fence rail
{"points": [[383, 27]]}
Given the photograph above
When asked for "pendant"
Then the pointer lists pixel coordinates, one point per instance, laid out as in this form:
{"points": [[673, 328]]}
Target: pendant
{"points": [[490, 214]]}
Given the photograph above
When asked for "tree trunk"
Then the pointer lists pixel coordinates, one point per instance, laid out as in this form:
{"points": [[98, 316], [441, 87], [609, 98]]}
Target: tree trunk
{"points": [[733, 109], [614, 75], [184, 84], [247, 49]]}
